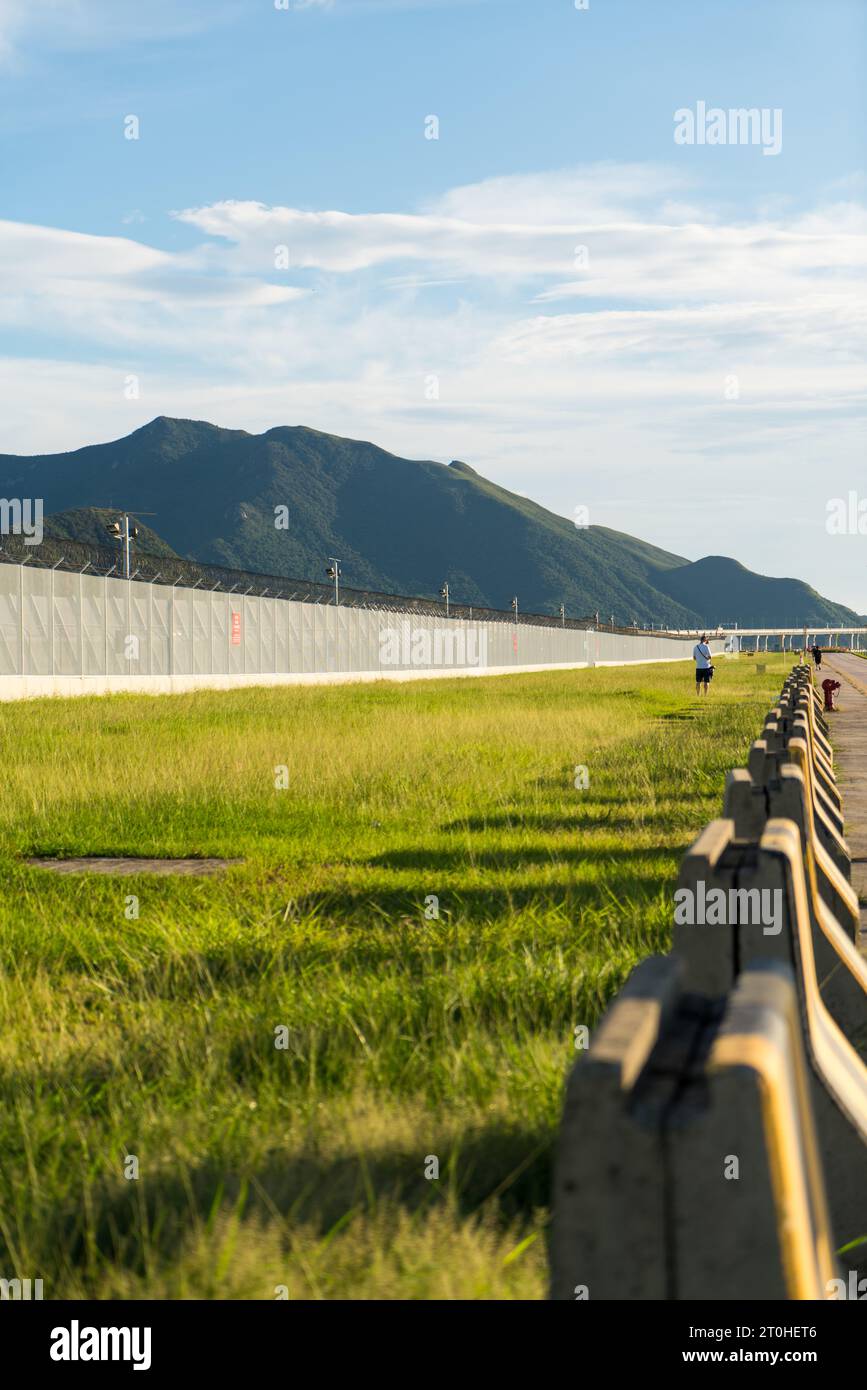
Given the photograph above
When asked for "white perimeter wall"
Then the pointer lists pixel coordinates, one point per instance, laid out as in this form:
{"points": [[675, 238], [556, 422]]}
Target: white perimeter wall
{"points": [[67, 634]]}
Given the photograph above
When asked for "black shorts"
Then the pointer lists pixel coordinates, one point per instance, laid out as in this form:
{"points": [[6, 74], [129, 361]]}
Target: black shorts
{"points": [[702, 676]]}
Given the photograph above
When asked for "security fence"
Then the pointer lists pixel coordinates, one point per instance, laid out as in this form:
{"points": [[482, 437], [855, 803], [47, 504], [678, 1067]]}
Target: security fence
{"points": [[56, 623], [174, 570]]}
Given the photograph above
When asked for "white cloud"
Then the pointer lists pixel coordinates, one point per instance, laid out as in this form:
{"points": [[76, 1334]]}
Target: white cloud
{"points": [[33, 25], [373, 6], [111, 289], [605, 386], [574, 237], [689, 295]]}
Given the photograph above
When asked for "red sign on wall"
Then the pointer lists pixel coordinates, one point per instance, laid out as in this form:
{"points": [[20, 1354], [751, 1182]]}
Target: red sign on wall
{"points": [[236, 629]]}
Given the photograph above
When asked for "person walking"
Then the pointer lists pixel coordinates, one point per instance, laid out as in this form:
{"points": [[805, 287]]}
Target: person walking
{"points": [[817, 655], [703, 659]]}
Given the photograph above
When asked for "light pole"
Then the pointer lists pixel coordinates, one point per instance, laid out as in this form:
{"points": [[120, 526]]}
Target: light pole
{"points": [[444, 593], [123, 532], [333, 571]]}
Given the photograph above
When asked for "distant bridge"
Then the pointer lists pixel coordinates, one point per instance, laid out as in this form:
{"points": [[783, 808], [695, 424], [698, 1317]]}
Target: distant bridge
{"points": [[806, 636]]}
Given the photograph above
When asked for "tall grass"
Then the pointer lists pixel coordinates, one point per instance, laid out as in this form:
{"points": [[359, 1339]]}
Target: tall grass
{"points": [[404, 1036]]}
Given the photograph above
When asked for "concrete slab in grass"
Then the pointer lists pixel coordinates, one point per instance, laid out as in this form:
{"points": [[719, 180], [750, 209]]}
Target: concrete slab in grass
{"points": [[124, 868]]}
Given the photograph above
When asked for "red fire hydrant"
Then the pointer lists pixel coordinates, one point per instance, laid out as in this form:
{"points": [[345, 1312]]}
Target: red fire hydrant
{"points": [[829, 687]]}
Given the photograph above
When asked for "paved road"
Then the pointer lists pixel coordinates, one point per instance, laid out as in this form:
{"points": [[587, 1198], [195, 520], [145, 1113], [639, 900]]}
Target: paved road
{"points": [[849, 738]]}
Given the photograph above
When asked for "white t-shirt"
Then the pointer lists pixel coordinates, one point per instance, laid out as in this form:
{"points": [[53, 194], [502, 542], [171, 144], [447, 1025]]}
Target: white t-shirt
{"points": [[701, 656]]}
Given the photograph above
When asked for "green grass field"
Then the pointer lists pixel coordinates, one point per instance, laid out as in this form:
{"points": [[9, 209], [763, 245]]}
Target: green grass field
{"points": [[406, 1036]]}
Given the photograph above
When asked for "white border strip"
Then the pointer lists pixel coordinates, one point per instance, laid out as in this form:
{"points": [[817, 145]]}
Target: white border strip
{"points": [[40, 687]]}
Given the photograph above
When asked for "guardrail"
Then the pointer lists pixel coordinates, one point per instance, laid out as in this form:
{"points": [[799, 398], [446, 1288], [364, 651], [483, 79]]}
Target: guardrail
{"points": [[714, 1138]]}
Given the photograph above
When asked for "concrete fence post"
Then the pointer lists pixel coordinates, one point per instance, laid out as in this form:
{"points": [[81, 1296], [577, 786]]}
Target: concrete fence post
{"points": [[762, 892], [688, 1164]]}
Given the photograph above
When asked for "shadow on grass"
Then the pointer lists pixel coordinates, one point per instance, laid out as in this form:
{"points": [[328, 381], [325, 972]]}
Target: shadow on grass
{"points": [[366, 926], [516, 819], [466, 858], [499, 1170], [671, 819], [485, 903]]}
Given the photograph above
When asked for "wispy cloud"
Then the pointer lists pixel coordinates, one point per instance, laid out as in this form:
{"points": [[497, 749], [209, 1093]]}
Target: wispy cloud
{"points": [[610, 237], [46, 272], [643, 286], [373, 6], [480, 280], [689, 347], [31, 25], [34, 25]]}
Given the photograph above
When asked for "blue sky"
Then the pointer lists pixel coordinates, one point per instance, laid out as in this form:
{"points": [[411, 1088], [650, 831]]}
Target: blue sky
{"points": [[700, 372]]}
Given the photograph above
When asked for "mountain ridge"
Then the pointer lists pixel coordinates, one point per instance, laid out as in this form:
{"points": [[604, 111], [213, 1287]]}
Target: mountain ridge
{"points": [[398, 525]]}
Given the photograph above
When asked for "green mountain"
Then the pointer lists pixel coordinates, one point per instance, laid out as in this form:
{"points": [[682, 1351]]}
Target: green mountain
{"points": [[88, 526], [723, 587], [398, 525]]}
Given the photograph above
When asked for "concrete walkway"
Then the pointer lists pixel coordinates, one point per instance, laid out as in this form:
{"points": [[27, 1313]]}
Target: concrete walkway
{"points": [[849, 738]]}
